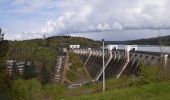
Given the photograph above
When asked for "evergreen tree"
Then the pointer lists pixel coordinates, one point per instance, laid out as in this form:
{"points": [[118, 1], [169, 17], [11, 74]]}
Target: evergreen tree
{"points": [[5, 83], [15, 71], [32, 69], [44, 74], [26, 71], [29, 70]]}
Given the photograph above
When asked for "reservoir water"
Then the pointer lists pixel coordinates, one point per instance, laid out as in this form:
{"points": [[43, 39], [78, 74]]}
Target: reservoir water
{"points": [[150, 48]]}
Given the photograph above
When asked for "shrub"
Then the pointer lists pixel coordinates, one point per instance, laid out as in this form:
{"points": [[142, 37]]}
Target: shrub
{"points": [[53, 91], [26, 90], [151, 74]]}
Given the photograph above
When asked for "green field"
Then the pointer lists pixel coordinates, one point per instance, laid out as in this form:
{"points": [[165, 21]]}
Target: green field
{"points": [[154, 91]]}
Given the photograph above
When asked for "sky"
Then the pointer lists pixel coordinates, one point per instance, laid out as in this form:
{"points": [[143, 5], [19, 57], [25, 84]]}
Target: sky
{"points": [[96, 19]]}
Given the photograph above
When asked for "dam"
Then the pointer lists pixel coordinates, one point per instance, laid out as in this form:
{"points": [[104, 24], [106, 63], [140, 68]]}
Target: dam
{"points": [[121, 60]]}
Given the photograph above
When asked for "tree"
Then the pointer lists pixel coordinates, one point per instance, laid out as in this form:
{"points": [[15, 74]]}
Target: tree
{"points": [[44, 74], [5, 82], [26, 71], [29, 70], [15, 71], [32, 70], [151, 74]]}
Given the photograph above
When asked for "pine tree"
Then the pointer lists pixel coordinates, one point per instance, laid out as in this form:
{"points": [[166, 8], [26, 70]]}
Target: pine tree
{"points": [[32, 70], [26, 71], [15, 71], [44, 74], [5, 82], [29, 70]]}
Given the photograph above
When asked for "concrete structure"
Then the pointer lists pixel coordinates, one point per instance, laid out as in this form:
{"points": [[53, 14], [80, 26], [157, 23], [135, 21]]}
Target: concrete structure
{"points": [[120, 62], [128, 48], [58, 73], [131, 47], [57, 76], [19, 64], [74, 46], [111, 47]]}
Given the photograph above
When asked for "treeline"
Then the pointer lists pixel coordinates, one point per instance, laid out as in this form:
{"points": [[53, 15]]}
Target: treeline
{"points": [[31, 49], [65, 41]]}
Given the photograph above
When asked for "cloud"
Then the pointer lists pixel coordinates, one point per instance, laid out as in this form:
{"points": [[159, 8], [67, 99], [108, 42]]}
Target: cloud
{"points": [[88, 15], [97, 15], [106, 26]]}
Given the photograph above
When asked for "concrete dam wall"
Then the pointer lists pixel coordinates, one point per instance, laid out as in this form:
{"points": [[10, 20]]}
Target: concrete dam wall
{"points": [[119, 62]]}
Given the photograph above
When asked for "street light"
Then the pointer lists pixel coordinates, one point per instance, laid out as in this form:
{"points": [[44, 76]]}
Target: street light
{"points": [[103, 68]]}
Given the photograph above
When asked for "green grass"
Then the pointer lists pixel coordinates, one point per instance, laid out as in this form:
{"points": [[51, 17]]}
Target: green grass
{"points": [[154, 91], [76, 62], [71, 76], [78, 69]]}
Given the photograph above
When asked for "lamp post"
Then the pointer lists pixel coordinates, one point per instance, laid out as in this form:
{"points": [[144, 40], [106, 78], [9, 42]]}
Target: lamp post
{"points": [[103, 68]]}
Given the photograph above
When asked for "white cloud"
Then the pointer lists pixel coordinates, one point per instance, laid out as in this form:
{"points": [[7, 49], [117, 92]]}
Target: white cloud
{"points": [[49, 27], [106, 26], [117, 26], [90, 15], [108, 14]]}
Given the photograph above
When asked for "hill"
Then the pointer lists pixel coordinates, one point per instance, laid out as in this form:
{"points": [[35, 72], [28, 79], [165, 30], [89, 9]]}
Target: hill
{"points": [[164, 40], [27, 49]]}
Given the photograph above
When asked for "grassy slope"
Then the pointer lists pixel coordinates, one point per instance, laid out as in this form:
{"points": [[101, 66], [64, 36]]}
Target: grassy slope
{"points": [[77, 70], [155, 91]]}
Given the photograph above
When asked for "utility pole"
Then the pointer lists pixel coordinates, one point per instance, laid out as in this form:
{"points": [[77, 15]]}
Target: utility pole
{"points": [[103, 68], [44, 37], [1, 35]]}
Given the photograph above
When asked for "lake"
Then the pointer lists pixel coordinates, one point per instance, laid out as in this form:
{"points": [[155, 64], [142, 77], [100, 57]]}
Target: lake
{"points": [[150, 48]]}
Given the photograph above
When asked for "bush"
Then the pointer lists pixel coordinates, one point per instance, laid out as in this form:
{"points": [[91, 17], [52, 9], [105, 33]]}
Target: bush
{"points": [[151, 74], [53, 91], [26, 90]]}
